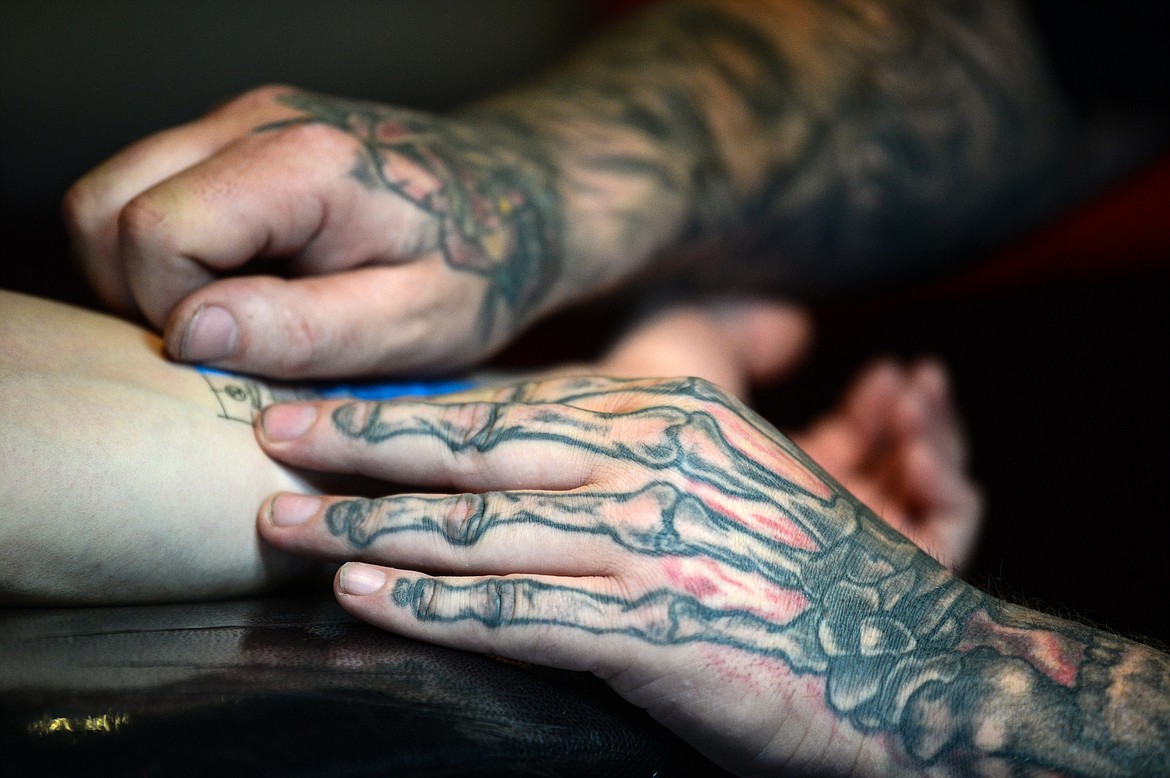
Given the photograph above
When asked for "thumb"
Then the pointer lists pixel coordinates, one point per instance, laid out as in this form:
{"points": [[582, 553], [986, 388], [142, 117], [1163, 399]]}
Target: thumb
{"points": [[387, 320]]}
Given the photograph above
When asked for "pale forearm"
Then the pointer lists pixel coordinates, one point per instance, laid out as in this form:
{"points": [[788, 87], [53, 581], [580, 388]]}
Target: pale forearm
{"points": [[796, 144], [124, 479]]}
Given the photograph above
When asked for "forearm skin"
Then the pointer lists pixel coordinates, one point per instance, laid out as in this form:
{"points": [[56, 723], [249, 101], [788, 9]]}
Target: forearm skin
{"points": [[796, 145], [126, 478]]}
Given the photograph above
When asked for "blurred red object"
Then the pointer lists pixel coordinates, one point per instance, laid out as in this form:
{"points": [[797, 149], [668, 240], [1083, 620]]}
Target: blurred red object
{"points": [[1123, 230]]}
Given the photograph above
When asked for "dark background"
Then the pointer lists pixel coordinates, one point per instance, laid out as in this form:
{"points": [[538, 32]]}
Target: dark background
{"points": [[1057, 370]]}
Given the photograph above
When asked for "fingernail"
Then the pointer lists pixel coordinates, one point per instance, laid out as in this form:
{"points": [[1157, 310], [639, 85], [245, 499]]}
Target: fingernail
{"points": [[290, 510], [360, 580], [210, 336], [287, 421]]}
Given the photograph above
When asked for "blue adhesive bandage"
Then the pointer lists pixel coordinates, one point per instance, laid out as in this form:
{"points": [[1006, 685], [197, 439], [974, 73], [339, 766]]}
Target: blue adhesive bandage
{"points": [[368, 390]]}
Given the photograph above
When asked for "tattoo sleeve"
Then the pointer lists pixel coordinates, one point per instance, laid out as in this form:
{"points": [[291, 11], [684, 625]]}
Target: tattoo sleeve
{"points": [[799, 145], [796, 146], [949, 678]]}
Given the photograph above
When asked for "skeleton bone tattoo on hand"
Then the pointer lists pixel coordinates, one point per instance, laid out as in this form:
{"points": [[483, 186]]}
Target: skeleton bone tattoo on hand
{"points": [[665, 514]]}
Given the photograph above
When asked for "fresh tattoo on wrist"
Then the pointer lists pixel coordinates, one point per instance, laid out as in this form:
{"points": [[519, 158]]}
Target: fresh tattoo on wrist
{"points": [[240, 398]]}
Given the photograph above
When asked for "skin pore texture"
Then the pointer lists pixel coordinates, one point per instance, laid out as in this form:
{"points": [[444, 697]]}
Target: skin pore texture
{"points": [[659, 534]]}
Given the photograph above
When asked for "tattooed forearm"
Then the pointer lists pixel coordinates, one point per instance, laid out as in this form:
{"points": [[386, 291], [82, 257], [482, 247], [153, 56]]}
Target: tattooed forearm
{"points": [[801, 144], [1050, 694], [798, 146], [902, 649]]}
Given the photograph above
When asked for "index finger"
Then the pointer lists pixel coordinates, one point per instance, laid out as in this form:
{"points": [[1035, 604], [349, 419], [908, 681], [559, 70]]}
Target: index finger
{"points": [[467, 446], [93, 203], [264, 195]]}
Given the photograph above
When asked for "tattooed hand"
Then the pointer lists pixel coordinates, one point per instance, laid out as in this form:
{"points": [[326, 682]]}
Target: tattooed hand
{"points": [[439, 239], [796, 146], [658, 534]]}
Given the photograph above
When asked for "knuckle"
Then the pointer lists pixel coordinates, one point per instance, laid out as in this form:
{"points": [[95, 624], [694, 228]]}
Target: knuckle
{"points": [[322, 142], [701, 394], [86, 221], [358, 419], [357, 520], [499, 601], [705, 388], [312, 135], [421, 597], [140, 220], [268, 92], [496, 603], [79, 207], [259, 97], [297, 349], [464, 521], [475, 427]]}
